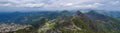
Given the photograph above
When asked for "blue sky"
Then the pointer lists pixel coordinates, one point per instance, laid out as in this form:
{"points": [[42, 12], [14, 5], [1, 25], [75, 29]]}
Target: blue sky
{"points": [[17, 5]]}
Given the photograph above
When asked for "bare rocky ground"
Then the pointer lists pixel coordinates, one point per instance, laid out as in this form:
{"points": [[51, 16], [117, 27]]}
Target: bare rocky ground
{"points": [[12, 27]]}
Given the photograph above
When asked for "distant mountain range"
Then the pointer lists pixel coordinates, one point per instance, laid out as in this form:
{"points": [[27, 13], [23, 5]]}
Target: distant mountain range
{"points": [[21, 17], [114, 14]]}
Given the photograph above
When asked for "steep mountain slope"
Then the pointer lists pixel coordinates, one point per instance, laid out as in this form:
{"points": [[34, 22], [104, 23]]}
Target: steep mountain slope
{"points": [[91, 22], [112, 24], [78, 23], [96, 16]]}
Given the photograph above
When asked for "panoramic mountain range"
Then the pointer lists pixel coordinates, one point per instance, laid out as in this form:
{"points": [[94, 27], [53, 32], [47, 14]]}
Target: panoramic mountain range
{"points": [[64, 21]]}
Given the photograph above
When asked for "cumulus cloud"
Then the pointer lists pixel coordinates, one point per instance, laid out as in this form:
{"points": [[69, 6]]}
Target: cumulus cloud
{"points": [[53, 4], [5, 5], [38, 3], [115, 2]]}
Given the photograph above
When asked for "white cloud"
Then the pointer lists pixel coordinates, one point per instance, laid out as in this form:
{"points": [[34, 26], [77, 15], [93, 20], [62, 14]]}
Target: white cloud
{"points": [[30, 5], [5, 5], [94, 5], [69, 4], [48, 4], [115, 2], [37, 3]]}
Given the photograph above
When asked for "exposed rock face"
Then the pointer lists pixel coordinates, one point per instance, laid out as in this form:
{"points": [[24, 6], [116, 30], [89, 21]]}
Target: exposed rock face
{"points": [[4, 28]]}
